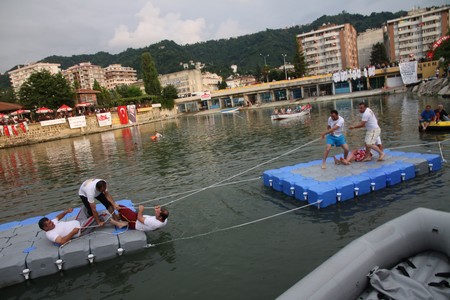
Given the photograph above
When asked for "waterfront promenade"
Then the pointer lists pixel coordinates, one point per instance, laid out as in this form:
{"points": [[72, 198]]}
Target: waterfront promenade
{"points": [[38, 134]]}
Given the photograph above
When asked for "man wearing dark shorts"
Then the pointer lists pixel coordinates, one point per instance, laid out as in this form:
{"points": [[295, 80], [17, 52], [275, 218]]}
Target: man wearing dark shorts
{"points": [[93, 189]]}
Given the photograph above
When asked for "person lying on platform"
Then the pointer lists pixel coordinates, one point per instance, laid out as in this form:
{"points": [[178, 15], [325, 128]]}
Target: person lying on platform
{"points": [[139, 221], [358, 155], [426, 117], [441, 114], [61, 232]]}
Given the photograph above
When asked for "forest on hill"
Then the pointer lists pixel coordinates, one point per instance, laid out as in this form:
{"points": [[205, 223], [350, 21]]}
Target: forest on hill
{"points": [[218, 55]]}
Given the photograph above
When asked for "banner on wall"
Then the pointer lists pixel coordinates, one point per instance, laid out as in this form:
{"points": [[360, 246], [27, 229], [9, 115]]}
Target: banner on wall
{"points": [[132, 114], [52, 122], [77, 122], [408, 71], [104, 119], [123, 116]]}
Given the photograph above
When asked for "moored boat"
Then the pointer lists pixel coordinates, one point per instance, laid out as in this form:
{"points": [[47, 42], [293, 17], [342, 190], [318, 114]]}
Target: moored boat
{"points": [[230, 110], [293, 115], [406, 258], [439, 126]]}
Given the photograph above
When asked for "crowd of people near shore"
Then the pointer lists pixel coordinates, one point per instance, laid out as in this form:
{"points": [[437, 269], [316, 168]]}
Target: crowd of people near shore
{"points": [[291, 109]]}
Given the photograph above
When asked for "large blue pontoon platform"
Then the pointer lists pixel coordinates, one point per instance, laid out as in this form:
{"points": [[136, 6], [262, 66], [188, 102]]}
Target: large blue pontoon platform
{"points": [[309, 182]]}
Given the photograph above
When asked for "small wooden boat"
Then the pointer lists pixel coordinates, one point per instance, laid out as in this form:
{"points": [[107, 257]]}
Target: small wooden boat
{"points": [[293, 115], [230, 110], [405, 258]]}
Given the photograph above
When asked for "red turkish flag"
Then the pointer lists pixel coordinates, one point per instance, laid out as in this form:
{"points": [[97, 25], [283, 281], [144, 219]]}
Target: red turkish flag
{"points": [[14, 130], [23, 127], [123, 115], [5, 128]]}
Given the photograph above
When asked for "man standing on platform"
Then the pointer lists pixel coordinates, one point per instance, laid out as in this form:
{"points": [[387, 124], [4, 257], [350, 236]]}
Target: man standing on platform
{"points": [[369, 120], [335, 135], [93, 189]]}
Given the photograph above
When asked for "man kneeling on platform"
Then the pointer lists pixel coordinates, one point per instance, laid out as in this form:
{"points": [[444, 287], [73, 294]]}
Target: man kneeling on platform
{"points": [[139, 221], [61, 232]]}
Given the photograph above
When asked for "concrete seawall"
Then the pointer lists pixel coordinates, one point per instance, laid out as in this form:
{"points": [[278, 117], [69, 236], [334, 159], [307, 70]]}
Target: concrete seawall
{"points": [[36, 133]]}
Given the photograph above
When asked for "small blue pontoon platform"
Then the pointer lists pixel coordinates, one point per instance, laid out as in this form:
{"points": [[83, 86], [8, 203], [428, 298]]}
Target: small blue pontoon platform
{"points": [[26, 253], [309, 182]]}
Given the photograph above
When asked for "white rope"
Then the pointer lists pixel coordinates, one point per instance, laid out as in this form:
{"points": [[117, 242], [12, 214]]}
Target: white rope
{"points": [[185, 192], [234, 226], [238, 174], [417, 145], [442, 154]]}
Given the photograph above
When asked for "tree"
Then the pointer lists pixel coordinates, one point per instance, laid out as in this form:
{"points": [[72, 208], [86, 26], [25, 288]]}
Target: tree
{"points": [[104, 98], [221, 85], [7, 95], [378, 54], [150, 75], [169, 94], [443, 51], [45, 89], [300, 65]]}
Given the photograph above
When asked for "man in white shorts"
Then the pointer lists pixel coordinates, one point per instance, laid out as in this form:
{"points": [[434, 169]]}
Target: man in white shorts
{"points": [[369, 120]]}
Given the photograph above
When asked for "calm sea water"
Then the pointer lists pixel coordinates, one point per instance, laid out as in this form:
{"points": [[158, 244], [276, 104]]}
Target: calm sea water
{"points": [[259, 261]]}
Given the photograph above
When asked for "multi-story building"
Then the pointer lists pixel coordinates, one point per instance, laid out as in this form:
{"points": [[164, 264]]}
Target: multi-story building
{"points": [[210, 81], [365, 41], [21, 74], [186, 82], [116, 75], [411, 37], [84, 75], [329, 48]]}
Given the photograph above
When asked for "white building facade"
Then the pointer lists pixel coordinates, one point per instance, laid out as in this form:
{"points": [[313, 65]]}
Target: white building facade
{"points": [[116, 75], [21, 74], [84, 75], [365, 41], [329, 48], [410, 37]]}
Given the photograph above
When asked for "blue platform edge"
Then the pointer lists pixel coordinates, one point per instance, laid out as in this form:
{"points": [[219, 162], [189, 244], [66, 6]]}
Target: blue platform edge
{"points": [[35, 220], [347, 186]]}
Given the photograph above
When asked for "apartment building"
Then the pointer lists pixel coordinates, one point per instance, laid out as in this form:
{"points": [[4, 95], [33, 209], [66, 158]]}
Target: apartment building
{"points": [[186, 81], [83, 76], [210, 81], [22, 73], [330, 48], [365, 41], [116, 75], [411, 37]]}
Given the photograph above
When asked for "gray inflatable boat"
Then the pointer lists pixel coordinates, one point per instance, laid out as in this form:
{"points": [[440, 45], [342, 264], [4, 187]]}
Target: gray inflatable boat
{"points": [[406, 258]]}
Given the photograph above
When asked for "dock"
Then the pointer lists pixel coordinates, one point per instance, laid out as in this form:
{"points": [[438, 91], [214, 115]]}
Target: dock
{"points": [[26, 253], [310, 183]]}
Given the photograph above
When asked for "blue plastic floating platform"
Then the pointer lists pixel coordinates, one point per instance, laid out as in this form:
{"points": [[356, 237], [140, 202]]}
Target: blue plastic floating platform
{"points": [[309, 182], [26, 253]]}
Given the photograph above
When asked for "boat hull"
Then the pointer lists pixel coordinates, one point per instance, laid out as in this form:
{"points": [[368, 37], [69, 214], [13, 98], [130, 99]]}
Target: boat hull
{"points": [[289, 116], [344, 275]]}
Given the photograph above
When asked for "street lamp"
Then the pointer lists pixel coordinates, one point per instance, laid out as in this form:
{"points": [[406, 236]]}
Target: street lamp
{"points": [[265, 66], [284, 64]]}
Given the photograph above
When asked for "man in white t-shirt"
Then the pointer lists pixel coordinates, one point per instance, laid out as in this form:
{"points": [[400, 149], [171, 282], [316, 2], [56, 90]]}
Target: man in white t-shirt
{"points": [[335, 135], [369, 120], [92, 189], [142, 222], [60, 232]]}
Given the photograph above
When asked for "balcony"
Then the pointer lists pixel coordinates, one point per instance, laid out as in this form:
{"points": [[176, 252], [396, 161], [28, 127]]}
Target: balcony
{"points": [[431, 18]]}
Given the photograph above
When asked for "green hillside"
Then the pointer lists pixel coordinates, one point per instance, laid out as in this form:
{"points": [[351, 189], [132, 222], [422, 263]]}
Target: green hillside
{"points": [[219, 55]]}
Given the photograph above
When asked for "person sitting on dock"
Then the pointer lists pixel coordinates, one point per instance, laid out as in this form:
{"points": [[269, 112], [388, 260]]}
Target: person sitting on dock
{"points": [[335, 136], [139, 221], [92, 189], [426, 117], [441, 114]]}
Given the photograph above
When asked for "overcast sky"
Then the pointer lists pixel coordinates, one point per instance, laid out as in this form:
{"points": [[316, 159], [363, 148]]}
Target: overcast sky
{"points": [[31, 30]]}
